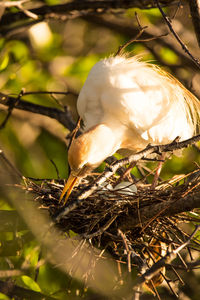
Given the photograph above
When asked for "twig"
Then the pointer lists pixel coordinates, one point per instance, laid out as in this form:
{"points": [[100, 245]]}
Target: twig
{"points": [[128, 30], [190, 266], [125, 241], [64, 117], [16, 292], [133, 40], [10, 109], [126, 173], [158, 171], [141, 264], [10, 165], [50, 93], [168, 208], [109, 171], [177, 250], [19, 5], [57, 171], [101, 230], [10, 273], [168, 22], [177, 9], [83, 5], [152, 271], [136, 39], [38, 266]]}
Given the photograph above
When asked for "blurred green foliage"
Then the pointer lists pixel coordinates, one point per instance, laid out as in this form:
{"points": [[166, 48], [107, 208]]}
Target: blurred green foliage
{"points": [[62, 62]]}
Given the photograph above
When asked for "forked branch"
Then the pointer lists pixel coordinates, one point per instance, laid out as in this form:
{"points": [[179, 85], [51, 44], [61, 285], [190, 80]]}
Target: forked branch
{"points": [[109, 171], [168, 258], [64, 117]]}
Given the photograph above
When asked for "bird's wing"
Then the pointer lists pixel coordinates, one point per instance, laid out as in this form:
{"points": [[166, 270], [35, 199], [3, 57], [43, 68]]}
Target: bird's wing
{"points": [[113, 91], [139, 96]]}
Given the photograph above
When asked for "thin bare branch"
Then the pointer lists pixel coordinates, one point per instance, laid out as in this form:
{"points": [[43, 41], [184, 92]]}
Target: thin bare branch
{"points": [[148, 36], [135, 39], [64, 117], [101, 230], [168, 208], [9, 273], [10, 109], [10, 165], [170, 256], [109, 171], [46, 10], [169, 24], [14, 291]]}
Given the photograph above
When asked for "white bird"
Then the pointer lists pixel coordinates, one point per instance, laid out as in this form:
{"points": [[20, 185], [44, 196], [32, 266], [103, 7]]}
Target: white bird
{"points": [[126, 104]]}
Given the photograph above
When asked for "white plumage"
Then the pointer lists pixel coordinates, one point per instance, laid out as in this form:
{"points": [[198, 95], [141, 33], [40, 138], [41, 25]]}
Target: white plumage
{"points": [[138, 96], [127, 104]]}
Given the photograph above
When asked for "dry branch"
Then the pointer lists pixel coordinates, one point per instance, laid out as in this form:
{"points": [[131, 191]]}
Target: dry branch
{"points": [[17, 292], [109, 171], [168, 208], [63, 117], [125, 224], [169, 24], [149, 35], [103, 216], [45, 11], [9, 273], [113, 220], [19, 5], [170, 256]]}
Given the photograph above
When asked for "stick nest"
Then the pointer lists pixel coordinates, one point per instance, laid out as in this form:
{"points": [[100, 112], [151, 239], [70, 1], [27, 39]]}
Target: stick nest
{"points": [[123, 222]]}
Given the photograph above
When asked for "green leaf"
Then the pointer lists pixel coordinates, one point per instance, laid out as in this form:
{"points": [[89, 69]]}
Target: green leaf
{"points": [[29, 282], [53, 2], [4, 62], [4, 297], [72, 233], [169, 56], [19, 50]]}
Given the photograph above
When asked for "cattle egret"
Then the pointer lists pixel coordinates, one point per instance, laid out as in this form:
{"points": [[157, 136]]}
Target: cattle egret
{"points": [[126, 104]]}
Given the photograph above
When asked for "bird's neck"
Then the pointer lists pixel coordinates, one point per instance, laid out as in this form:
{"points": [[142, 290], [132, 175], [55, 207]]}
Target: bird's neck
{"points": [[102, 141]]}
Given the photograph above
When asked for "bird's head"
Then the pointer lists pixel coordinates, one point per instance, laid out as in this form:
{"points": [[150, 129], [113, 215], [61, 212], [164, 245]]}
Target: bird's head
{"points": [[86, 153], [78, 159]]}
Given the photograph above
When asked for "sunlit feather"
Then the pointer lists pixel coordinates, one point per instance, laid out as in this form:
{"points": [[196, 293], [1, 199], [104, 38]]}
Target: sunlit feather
{"points": [[126, 104]]}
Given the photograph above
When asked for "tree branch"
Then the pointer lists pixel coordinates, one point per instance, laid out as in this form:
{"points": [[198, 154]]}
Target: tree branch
{"points": [[9, 273], [64, 117], [19, 5], [148, 35], [164, 209], [109, 171], [184, 47], [46, 10], [170, 256], [10, 289]]}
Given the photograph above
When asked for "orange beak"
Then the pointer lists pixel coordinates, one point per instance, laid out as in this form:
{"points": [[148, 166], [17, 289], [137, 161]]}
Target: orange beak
{"points": [[71, 182]]}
